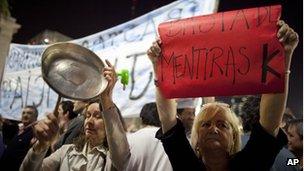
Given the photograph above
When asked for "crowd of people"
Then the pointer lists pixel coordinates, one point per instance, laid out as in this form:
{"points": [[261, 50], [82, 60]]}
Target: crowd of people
{"points": [[92, 135]]}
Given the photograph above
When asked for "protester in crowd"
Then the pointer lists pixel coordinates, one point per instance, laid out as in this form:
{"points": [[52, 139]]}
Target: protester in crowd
{"points": [[66, 117], [65, 114], [186, 113], [29, 116], [22, 141], [103, 146], [215, 139], [287, 117], [251, 116], [72, 128], [75, 125], [147, 152], [295, 139]]}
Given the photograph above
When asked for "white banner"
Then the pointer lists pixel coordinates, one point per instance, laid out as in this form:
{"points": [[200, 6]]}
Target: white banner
{"points": [[124, 45]]}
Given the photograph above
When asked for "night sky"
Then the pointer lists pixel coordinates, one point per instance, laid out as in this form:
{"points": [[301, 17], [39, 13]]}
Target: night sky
{"points": [[73, 18], [77, 19]]}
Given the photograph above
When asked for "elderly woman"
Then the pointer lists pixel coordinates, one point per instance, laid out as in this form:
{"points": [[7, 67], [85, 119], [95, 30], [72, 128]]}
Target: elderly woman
{"points": [[215, 139], [104, 146]]}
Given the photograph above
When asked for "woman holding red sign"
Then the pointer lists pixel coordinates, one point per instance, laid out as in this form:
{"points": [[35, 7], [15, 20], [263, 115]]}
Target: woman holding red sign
{"points": [[215, 139]]}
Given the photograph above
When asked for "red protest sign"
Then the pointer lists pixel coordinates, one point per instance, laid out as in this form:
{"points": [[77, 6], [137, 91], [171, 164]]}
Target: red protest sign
{"points": [[229, 53]]}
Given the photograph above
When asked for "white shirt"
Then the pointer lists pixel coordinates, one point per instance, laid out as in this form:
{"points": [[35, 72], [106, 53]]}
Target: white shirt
{"points": [[147, 152], [67, 158]]}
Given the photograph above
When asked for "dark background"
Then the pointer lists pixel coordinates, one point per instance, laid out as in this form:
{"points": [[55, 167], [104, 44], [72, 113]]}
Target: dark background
{"points": [[78, 18]]}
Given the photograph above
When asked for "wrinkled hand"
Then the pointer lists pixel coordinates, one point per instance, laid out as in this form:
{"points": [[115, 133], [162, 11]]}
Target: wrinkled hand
{"points": [[289, 39], [110, 75], [46, 131], [154, 52]]}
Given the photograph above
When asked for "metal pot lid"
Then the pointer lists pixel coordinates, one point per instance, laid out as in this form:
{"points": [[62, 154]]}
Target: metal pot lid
{"points": [[73, 71]]}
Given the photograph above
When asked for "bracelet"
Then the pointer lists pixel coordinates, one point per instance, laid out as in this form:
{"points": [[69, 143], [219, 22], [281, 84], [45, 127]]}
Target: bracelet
{"points": [[287, 72]]}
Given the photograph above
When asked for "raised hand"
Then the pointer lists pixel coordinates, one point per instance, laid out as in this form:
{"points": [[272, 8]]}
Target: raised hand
{"points": [[111, 76], [154, 51], [272, 106], [289, 39], [45, 131]]}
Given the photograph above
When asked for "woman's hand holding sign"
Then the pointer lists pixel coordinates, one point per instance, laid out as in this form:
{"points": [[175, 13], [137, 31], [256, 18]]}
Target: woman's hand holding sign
{"points": [[166, 107], [289, 39], [273, 105], [154, 52]]}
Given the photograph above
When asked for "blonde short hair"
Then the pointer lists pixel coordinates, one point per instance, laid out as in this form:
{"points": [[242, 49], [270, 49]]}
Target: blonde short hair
{"points": [[212, 109]]}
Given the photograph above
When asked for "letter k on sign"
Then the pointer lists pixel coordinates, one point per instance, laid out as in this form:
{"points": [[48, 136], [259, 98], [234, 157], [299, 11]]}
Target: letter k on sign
{"points": [[266, 60]]}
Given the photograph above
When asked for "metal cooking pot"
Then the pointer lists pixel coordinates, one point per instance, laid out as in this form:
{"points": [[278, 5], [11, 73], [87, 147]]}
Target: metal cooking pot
{"points": [[73, 71]]}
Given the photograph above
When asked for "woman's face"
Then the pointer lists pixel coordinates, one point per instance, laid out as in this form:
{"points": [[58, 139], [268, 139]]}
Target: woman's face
{"points": [[215, 134], [94, 125], [294, 140]]}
